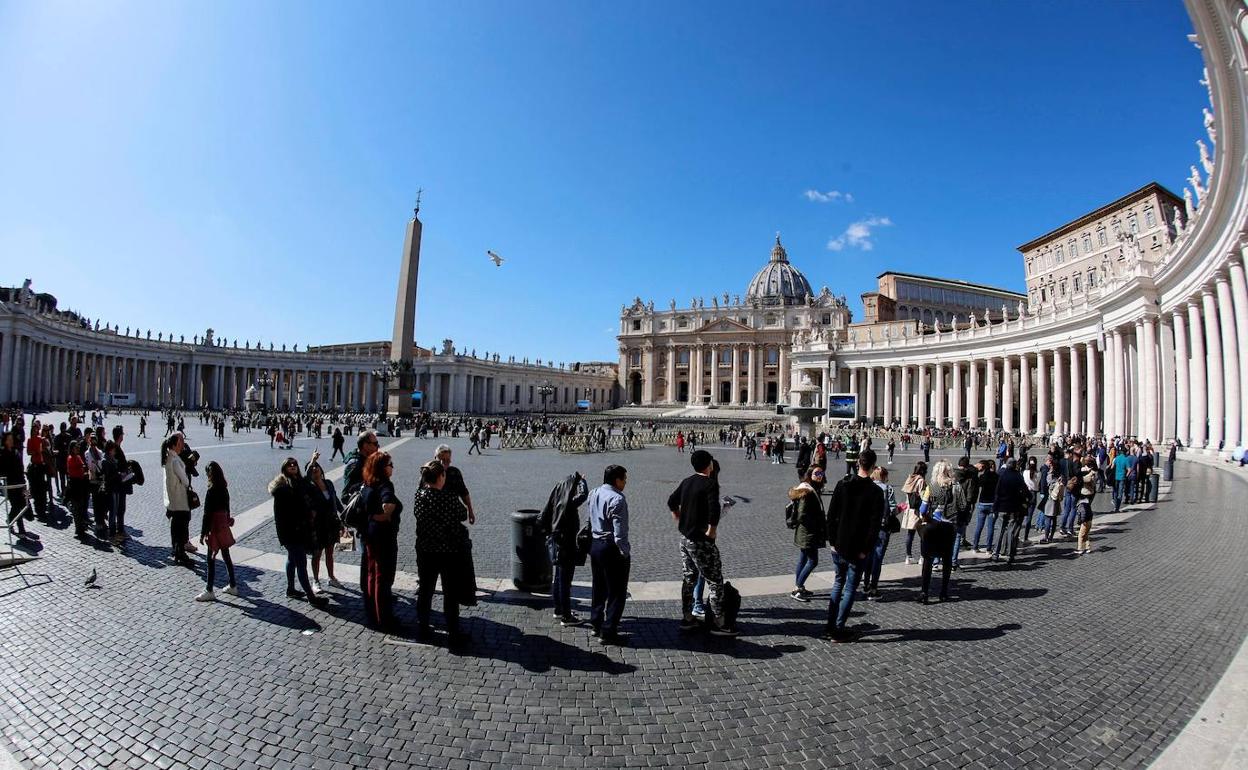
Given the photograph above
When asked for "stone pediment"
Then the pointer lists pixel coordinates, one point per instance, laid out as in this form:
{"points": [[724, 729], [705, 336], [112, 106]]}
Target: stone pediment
{"points": [[724, 325]]}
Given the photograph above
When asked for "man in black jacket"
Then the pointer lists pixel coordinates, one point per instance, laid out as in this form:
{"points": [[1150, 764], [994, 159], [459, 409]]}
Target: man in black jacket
{"points": [[695, 507], [560, 522], [1011, 502], [854, 515]]}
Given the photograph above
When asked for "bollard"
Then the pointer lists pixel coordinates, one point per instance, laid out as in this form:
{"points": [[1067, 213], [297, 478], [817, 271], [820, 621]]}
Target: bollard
{"points": [[1167, 470], [530, 564]]}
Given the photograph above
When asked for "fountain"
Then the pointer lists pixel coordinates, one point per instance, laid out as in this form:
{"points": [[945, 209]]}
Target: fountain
{"points": [[803, 406]]}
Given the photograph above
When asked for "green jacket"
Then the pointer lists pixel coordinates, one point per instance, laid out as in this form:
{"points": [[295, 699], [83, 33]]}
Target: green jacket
{"points": [[812, 524]]}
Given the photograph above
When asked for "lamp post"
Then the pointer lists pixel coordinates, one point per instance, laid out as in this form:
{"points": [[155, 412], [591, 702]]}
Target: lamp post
{"points": [[546, 390], [264, 382], [385, 374]]}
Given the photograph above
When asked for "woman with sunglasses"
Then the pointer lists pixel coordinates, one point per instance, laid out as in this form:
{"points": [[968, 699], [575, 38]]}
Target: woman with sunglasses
{"points": [[292, 517], [381, 541], [809, 524]]}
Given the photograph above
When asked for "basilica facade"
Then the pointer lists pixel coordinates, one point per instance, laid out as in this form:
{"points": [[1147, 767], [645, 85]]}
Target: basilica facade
{"points": [[733, 351]]}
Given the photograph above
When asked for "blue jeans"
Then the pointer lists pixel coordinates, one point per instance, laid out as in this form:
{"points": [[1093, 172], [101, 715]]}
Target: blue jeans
{"points": [[297, 564], [959, 537], [984, 515], [117, 514], [844, 586], [1120, 486], [698, 607], [806, 563], [1068, 513], [875, 561]]}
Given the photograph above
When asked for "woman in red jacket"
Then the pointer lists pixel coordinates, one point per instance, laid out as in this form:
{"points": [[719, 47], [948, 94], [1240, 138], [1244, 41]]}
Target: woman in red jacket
{"points": [[79, 487]]}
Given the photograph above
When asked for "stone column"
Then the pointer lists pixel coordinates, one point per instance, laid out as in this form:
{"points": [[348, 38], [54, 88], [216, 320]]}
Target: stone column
{"points": [[1076, 392], [905, 397], [1007, 393], [1024, 394], [1042, 393], [990, 393], [670, 395], [752, 369], [1149, 426], [782, 377], [870, 403], [1094, 389], [1213, 369], [647, 385], [695, 374], [1182, 370], [888, 395], [940, 393], [955, 396], [736, 376], [1239, 303], [714, 354], [1232, 338], [15, 373], [7, 347], [1061, 389], [923, 389], [973, 395], [1167, 379], [1120, 383]]}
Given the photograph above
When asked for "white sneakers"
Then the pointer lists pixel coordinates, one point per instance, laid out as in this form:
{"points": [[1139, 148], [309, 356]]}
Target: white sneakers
{"points": [[232, 590], [206, 596], [335, 583]]}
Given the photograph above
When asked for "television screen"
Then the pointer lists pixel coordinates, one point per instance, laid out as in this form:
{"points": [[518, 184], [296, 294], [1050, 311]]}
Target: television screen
{"points": [[842, 406]]}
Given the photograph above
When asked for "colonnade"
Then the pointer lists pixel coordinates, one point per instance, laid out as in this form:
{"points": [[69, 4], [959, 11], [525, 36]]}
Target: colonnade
{"points": [[1176, 373]]}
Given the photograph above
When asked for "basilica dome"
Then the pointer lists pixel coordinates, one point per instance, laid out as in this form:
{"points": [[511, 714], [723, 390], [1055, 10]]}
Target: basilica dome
{"points": [[779, 283]]}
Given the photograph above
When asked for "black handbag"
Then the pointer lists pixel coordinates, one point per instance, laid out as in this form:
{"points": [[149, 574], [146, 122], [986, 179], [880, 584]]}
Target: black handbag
{"points": [[192, 499], [584, 540]]}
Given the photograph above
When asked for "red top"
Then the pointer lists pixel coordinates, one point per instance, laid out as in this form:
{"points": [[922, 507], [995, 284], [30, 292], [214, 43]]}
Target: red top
{"points": [[34, 449], [75, 468]]}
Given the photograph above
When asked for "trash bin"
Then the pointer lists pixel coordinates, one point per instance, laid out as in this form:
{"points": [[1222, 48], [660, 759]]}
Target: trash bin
{"points": [[530, 564]]}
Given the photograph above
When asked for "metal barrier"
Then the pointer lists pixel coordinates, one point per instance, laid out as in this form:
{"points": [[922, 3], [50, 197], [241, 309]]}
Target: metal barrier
{"points": [[587, 442], [524, 440]]}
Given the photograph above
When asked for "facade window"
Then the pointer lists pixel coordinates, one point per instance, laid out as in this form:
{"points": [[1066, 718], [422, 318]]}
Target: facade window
{"points": [[1087, 243], [662, 326], [682, 356], [635, 358], [637, 326], [1078, 286], [516, 395], [725, 357], [1101, 239], [530, 395], [1061, 288], [770, 320], [1133, 223], [1091, 279], [826, 319], [744, 321], [745, 357], [1116, 225], [682, 323], [1149, 218], [773, 356], [565, 395], [1074, 248], [1044, 295], [502, 394], [1060, 256]]}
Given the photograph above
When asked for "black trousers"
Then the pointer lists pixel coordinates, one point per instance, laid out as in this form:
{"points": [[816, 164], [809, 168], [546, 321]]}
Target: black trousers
{"points": [[429, 567], [937, 539], [179, 530], [610, 569]]}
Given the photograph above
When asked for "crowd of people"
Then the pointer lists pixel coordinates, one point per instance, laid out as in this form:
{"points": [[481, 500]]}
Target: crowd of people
{"points": [[991, 506]]}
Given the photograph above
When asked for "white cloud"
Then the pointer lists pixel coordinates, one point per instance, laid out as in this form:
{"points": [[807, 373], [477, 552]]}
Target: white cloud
{"points": [[831, 196], [858, 234]]}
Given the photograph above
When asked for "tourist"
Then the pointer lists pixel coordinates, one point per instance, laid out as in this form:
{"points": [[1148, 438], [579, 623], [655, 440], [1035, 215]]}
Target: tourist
{"points": [[984, 513], [455, 481], [965, 495], [60, 450], [442, 548], [1083, 517], [913, 489], [889, 523], [937, 532], [122, 490], [892, 448], [1070, 469], [381, 540], [804, 451], [338, 442], [353, 471], [810, 530], [1031, 477], [292, 518], [1010, 502], [215, 532], [610, 554], [78, 487], [15, 478], [326, 522], [1122, 472], [851, 458], [560, 521], [680, 442], [37, 480], [177, 505], [142, 426], [695, 507], [94, 457], [854, 511]]}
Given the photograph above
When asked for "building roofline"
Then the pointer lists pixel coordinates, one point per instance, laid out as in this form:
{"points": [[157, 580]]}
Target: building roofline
{"points": [[956, 281], [1075, 224]]}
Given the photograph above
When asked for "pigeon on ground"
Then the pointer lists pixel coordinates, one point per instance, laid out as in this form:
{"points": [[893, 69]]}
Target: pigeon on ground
{"points": [[91, 579]]}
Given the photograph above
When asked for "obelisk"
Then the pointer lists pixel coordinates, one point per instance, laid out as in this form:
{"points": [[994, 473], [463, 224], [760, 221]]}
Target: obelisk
{"points": [[402, 344]]}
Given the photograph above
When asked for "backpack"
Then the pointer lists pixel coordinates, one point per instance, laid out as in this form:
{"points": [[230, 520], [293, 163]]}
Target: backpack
{"points": [[960, 503], [730, 603], [790, 515]]}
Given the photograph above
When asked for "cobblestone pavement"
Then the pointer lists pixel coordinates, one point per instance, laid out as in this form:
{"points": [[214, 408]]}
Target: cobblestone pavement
{"points": [[1064, 661]]}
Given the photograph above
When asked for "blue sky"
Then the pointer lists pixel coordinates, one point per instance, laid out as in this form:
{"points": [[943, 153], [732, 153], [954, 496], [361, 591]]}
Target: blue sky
{"points": [[251, 166]]}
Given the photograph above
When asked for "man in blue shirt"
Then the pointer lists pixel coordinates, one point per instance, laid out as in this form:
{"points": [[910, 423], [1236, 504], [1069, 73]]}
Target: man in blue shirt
{"points": [[609, 554], [1122, 468]]}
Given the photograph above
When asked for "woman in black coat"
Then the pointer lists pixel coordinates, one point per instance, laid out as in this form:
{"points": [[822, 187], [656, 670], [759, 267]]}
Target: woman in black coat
{"points": [[326, 524], [293, 519]]}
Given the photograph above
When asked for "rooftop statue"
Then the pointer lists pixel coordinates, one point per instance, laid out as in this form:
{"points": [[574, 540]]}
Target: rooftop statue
{"points": [[1210, 128], [1187, 204], [1205, 159]]}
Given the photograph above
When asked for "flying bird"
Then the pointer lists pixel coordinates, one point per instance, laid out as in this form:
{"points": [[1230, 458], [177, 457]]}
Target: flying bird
{"points": [[91, 579], [497, 260]]}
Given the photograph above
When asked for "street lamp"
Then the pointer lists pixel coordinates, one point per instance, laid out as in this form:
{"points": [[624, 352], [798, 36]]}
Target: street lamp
{"points": [[264, 382], [545, 390], [387, 373]]}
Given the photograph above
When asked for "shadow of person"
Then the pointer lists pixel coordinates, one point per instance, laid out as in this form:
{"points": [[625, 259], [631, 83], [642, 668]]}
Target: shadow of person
{"points": [[965, 634], [287, 614], [537, 653]]}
